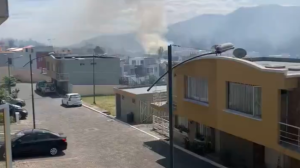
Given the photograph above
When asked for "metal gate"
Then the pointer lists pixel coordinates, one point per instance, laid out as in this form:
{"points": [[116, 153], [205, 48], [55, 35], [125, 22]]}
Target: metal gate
{"points": [[147, 112], [161, 125]]}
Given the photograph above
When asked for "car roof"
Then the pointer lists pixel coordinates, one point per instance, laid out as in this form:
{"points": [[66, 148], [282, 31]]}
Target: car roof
{"points": [[30, 131], [71, 94]]}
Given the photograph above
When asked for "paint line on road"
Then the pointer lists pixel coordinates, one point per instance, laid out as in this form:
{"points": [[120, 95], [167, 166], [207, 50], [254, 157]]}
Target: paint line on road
{"points": [[176, 146]]}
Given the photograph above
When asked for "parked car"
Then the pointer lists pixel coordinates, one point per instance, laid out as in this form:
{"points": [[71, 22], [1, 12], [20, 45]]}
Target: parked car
{"points": [[16, 101], [15, 108], [45, 87], [71, 99], [36, 142]]}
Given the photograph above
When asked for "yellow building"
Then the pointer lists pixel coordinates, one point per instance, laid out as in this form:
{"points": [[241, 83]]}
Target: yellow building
{"points": [[248, 107]]}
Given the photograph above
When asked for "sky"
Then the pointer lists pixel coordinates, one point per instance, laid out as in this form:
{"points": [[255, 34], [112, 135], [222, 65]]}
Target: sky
{"points": [[65, 22]]}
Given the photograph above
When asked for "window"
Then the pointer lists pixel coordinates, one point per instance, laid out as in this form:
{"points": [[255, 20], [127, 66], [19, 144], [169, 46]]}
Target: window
{"points": [[42, 136], [181, 123], [202, 131], [196, 89], [142, 62], [244, 98], [27, 138], [123, 97], [133, 100], [81, 64]]}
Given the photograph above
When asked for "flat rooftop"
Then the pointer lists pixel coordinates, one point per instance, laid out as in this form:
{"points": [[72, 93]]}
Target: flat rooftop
{"points": [[143, 90], [292, 65]]}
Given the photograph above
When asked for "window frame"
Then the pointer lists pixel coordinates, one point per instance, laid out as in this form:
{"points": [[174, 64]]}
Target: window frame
{"points": [[196, 89], [246, 105]]}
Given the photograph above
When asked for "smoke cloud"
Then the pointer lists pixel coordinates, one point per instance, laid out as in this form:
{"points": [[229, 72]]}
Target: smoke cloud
{"points": [[144, 17], [151, 24]]}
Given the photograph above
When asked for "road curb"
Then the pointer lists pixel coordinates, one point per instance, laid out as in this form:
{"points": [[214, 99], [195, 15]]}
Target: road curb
{"points": [[176, 146]]}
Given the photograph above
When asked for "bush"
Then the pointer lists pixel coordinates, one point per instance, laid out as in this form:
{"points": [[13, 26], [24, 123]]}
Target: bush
{"points": [[12, 119]]}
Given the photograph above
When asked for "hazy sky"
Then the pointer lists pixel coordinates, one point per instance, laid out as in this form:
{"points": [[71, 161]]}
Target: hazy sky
{"points": [[68, 21]]}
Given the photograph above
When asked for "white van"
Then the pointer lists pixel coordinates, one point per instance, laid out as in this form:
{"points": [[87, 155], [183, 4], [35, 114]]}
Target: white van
{"points": [[72, 99]]}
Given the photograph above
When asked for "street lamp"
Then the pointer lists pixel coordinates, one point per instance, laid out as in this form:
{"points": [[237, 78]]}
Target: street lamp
{"points": [[216, 49], [30, 51], [94, 78]]}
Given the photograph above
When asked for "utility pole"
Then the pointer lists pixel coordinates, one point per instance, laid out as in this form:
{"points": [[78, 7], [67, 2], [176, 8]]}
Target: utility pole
{"points": [[32, 95], [94, 78], [170, 101], [9, 61]]}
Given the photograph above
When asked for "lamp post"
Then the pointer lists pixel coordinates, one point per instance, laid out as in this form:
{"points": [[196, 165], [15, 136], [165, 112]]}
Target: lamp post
{"points": [[94, 79], [30, 51], [170, 101], [9, 62]]}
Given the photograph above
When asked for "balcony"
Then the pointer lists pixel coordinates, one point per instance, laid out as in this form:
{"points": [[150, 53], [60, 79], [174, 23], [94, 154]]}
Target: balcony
{"points": [[61, 77], [3, 11], [289, 136]]}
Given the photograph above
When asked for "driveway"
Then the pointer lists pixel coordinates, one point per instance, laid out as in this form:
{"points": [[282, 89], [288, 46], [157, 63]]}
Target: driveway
{"points": [[96, 141]]}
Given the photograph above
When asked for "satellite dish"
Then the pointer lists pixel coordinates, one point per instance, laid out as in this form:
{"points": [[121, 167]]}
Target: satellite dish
{"points": [[240, 53]]}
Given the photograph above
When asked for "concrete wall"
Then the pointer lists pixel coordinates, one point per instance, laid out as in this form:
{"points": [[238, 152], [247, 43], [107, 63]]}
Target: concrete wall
{"points": [[87, 90], [107, 71], [3, 10], [128, 106], [23, 74]]}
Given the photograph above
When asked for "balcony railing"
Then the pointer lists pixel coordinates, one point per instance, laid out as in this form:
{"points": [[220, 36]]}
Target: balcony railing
{"points": [[62, 77], [289, 136]]}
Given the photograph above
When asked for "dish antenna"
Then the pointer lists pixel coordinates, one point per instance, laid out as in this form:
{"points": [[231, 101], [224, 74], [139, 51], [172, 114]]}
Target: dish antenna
{"points": [[240, 53]]}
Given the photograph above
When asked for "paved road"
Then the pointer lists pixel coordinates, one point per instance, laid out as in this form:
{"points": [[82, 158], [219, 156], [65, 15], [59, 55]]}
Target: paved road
{"points": [[96, 141]]}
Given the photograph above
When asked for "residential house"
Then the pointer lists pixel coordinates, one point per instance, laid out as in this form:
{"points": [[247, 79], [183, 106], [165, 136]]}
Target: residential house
{"points": [[247, 108], [73, 73], [3, 11], [138, 70]]}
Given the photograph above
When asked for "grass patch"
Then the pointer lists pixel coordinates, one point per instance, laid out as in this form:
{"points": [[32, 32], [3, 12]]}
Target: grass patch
{"points": [[103, 102]]}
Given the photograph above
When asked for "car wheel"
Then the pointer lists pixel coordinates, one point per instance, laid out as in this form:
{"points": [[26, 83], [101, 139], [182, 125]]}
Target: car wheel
{"points": [[53, 151], [3, 155]]}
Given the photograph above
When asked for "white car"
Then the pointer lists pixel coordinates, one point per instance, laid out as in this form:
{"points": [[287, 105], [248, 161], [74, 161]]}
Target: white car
{"points": [[72, 99]]}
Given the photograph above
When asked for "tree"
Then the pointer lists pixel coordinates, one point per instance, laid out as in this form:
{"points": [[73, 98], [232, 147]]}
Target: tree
{"points": [[98, 50]]}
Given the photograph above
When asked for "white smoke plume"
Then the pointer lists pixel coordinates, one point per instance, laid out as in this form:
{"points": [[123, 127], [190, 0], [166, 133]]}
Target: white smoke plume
{"points": [[151, 24], [89, 18]]}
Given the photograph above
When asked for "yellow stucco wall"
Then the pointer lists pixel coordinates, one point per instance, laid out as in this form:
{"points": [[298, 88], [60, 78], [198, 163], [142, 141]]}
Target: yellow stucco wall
{"points": [[220, 71]]}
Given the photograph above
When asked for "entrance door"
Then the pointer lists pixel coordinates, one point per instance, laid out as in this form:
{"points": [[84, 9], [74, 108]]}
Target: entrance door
{"points": [[118, 106]]}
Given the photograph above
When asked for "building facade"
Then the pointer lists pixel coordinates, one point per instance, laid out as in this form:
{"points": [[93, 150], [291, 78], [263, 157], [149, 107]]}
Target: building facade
{"points": [[71, 72], [248, 108]]}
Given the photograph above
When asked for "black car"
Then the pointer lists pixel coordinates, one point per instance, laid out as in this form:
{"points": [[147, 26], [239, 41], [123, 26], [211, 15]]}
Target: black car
{"points": [[36, 142], [15, 108]]}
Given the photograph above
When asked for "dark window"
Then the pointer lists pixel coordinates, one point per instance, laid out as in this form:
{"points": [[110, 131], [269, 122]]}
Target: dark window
{"points": [[123, 97], [133, 100], [27, 138]]}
